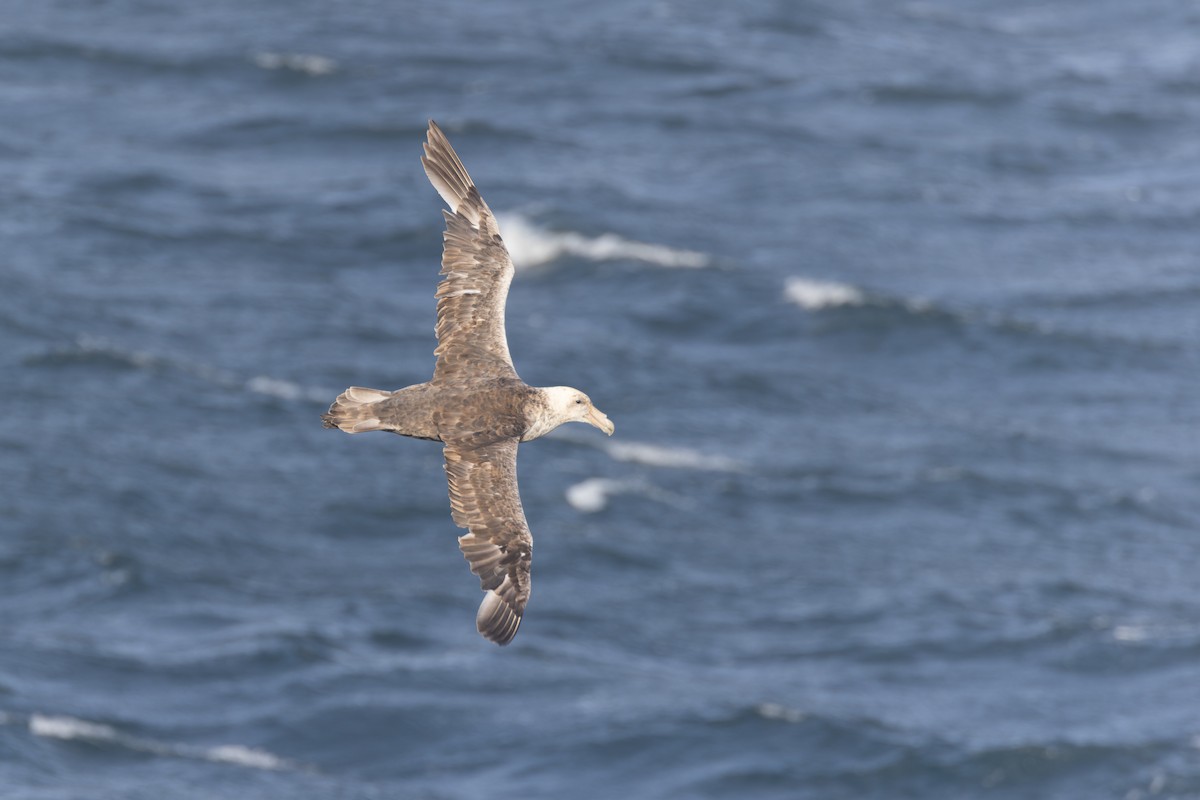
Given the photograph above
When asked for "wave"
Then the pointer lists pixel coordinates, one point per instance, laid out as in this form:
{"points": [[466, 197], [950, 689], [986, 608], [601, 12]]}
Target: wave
{"points": [[940, 89], [1161, 635], [101, 352], [829, 296], [531, 246], [874, 751], [287, 390], [653, 455], [592, 495], [95, 53], [66, 728], [815, 295], [305, 63], [1143, 295], [157, 58], [780, 712]]}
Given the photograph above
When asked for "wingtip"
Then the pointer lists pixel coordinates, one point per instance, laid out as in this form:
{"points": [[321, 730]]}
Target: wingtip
{"points": [[497, 621], [449, 177], [435, 137]]}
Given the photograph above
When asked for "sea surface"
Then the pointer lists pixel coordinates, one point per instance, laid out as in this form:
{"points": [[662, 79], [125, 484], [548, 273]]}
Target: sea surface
{"points": [[895, 305]]}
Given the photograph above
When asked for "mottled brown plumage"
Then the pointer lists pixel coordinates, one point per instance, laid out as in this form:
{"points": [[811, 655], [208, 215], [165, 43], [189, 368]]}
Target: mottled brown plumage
{"points": [[475, 404]]}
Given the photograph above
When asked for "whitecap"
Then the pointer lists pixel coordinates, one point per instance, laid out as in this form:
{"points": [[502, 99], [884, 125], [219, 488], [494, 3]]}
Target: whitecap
{"points": [[779, 712], [60, 727], [246, 757], [815, 295], [95, 345], [87, 345], [1131, 633], [530, 246], [50, 726], [296, 62], [286, 390], [592, 495], [653, 455]]}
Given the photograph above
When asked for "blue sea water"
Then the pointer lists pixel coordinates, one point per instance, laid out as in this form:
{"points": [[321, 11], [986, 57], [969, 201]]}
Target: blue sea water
{"points": [[895, 305]]}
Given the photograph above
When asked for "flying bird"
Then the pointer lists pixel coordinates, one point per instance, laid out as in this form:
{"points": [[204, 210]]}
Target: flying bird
{"points": [[475, 404]]}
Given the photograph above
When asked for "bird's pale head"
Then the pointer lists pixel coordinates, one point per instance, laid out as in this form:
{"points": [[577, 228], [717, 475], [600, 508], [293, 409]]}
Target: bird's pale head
{"points": [[572, 405]]}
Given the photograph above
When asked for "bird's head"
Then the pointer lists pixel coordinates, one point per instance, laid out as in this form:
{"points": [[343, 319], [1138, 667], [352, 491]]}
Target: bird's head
{"points": [[572, 405]]}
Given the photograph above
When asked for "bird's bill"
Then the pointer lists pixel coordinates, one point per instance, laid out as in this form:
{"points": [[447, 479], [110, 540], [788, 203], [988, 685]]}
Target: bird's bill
{"points": [[596, 417]]}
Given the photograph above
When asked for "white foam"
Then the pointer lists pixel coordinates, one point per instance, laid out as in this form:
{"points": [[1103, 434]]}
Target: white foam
{"points": [[74, 729], [286, 390], [815, 295], [246, 757], [259, 384], [56, 727], [135, 358], [653, 455], [777, 711], [530, 246], [296, 62], [1131, 633], [591, 496]]}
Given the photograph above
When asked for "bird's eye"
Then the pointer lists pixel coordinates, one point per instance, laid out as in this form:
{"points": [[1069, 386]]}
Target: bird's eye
{"points": [[578, 401]]}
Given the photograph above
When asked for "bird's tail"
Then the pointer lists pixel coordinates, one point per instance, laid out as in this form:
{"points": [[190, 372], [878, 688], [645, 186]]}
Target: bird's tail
{"points": [[354, 411]]}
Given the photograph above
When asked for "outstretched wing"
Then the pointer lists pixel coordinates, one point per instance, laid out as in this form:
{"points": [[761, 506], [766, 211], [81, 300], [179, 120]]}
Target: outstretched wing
{"points": [[499, 547], [477, 270]]}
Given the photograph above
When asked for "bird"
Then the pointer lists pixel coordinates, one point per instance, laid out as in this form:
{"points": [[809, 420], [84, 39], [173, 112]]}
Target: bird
{"points": [[475, 404]]}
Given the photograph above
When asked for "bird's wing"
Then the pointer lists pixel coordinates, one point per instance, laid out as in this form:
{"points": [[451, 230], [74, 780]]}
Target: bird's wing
{"points": [[477, 270], [484, 500]]}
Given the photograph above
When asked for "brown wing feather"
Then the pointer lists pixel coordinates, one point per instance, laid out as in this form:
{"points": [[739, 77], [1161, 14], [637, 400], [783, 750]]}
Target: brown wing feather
{"points": [[477, 270], [499, 547]]}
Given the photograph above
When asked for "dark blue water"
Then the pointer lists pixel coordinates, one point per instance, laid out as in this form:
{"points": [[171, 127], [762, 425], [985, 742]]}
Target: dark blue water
{"points": [[896, 308]]}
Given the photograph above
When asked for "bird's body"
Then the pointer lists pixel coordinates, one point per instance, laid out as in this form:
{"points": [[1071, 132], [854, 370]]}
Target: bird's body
{"points": [[495, 406], [476, 405]]}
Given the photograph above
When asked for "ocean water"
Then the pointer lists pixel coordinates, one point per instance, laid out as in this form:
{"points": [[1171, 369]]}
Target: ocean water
{"points": [[895, 305]]}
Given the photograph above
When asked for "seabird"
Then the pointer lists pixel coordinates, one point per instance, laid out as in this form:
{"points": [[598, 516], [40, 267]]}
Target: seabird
{"points": [[476, 404]]}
